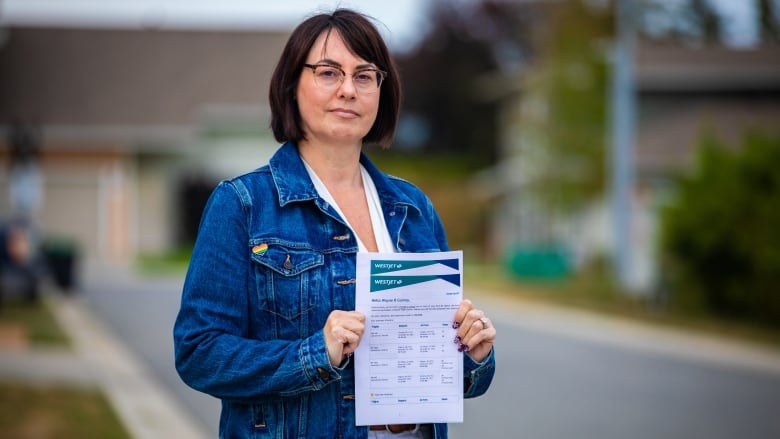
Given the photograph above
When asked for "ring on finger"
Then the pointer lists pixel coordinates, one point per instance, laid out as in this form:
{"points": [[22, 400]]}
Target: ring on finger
{"points": [[484, 321]]}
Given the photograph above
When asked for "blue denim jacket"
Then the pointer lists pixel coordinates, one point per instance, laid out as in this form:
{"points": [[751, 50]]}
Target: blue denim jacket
{"points": [[271, 261]]}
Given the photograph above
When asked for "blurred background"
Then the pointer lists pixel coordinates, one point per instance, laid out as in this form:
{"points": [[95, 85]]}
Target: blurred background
{"points": [[637, 139], [622, 156]]}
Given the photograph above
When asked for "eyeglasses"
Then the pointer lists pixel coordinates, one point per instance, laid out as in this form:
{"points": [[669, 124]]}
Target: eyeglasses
{"points": [[329, 77]]}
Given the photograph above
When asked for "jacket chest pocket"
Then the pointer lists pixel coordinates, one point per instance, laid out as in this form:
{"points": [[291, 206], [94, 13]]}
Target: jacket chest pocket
{"points": [[288, 279]]}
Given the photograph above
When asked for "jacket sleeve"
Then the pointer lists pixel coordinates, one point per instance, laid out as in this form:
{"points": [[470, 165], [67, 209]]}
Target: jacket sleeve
{"points": [[213, 352], [478, 376]]}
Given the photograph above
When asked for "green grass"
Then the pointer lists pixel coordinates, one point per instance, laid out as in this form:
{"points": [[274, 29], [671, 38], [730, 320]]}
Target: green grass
{"points": [[172, 262], [30, 411], [36, 319]]}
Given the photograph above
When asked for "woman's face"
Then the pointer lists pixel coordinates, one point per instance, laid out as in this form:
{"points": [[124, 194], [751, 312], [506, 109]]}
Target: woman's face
{"points": [[340, 114]]}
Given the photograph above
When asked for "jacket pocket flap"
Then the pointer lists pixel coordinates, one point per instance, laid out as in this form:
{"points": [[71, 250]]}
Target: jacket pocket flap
{"points": [[285, 260]]}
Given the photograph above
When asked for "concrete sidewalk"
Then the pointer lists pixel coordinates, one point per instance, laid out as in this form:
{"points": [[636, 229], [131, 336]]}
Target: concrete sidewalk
{"points": [[98, 358]]}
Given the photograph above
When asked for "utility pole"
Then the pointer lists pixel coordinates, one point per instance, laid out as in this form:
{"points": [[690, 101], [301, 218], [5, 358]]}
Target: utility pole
{"points": [[623, 127]]}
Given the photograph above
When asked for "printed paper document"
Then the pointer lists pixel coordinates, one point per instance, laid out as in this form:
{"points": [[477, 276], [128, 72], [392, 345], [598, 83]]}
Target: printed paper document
{"points": [[407, 367]]}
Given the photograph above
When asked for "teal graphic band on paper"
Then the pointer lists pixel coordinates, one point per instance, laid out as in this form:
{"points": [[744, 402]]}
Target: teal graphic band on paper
{"points": [[389, 266], [381, 283], [414, 272]]}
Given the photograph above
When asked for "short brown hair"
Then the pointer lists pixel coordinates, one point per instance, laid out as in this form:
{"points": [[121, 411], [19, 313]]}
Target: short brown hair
{"points": [[364, 40]]}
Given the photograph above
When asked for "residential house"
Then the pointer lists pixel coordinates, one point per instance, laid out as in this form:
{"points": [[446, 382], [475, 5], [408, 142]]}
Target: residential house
{"points": [[135, 127]]}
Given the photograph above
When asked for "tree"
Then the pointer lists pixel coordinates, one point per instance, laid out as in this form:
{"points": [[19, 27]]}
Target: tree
{"points": [[700, 22], [467, 42], [770, 21], [573, 76]]}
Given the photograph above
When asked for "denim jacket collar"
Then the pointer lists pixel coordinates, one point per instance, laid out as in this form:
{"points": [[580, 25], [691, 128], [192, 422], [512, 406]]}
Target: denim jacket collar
{"points": [[293, 183]]}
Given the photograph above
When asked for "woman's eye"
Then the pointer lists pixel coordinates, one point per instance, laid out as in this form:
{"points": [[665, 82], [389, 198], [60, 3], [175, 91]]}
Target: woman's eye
{"points": [[329, 73], [364, 77]]}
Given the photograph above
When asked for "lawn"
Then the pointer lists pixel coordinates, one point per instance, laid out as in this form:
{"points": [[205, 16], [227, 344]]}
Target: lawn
{"points": [[43, 411], [33, 320], [29, 411]]}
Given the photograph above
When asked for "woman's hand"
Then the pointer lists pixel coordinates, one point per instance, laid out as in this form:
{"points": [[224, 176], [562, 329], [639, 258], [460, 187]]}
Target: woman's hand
{"points": [[476, 333], [343, 331]]}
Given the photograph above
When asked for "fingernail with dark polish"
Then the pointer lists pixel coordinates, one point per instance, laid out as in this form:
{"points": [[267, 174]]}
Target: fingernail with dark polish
{"points": [[455, 325], [457, 339], [466, 348]]}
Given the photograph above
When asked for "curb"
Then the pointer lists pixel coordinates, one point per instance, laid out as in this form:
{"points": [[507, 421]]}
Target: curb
{"points": [[145, 408]]}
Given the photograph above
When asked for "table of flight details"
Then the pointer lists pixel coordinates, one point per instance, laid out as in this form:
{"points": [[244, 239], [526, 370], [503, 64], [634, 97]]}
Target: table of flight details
{"points": [[412, 362]]}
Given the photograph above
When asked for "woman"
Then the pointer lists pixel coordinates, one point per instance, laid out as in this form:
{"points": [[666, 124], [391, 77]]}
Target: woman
{"points": [[267, 321]]}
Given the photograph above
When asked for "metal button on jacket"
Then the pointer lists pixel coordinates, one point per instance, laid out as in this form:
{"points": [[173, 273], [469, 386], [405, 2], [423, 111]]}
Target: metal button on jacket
{"points": [[323, 373]]}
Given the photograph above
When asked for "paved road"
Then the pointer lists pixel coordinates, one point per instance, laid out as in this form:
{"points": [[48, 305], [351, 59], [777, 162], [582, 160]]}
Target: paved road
{"points": [[560, 374], [141, 312], [555, 385]]}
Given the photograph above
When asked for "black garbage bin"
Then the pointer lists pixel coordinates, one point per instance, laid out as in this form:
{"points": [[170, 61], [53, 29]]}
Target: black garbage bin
{"points": [[61, 258]]}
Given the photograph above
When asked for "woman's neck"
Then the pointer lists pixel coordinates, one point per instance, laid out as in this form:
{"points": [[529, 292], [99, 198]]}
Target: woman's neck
{"points": [[338, 167]]}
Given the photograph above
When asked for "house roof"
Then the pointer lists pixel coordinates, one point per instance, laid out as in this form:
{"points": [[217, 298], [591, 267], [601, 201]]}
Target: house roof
{"points": [[686, 93], [120, 77], [675, 68]]}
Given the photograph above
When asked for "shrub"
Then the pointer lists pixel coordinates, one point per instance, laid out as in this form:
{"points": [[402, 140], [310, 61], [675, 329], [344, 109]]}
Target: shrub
{"points": [[721, 232]]}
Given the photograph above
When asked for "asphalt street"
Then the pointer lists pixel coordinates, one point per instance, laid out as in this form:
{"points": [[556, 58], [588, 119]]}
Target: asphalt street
{"points": [[560, 373]]}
